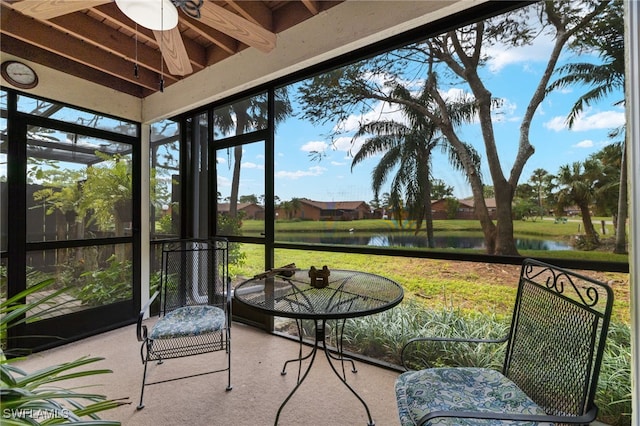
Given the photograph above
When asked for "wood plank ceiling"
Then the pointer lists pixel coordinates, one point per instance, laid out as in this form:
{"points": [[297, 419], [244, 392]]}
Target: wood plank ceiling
{"points": [[94, 40]]}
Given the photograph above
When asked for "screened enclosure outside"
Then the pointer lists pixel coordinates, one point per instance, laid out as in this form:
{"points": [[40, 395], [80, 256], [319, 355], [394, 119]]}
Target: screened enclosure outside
{"points": [[67, 178], [429, 148], [427, 151], [165, 179], [79, 188]]}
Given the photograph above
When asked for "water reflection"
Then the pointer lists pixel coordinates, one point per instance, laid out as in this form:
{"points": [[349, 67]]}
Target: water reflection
{"points": [[414, 241]]}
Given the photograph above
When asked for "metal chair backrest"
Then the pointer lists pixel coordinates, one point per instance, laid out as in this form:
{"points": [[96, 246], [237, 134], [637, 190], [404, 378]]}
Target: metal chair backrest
{"points": [[194, 272], [557, 337]]}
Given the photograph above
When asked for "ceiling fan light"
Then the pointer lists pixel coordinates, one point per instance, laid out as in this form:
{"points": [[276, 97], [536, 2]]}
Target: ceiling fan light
{"points": [[155, 15]]}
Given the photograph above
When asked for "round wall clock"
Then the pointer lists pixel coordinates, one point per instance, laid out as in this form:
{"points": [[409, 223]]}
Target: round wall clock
{"points": [[19, 75]]}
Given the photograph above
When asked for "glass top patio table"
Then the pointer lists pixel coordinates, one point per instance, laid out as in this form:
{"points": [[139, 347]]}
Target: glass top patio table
{"points": [[348, 294], [343, 294]]}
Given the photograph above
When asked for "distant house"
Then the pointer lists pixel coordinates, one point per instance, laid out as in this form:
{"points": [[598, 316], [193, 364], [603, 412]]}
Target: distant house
{"points": [[328, 210], [466, 209], [250, 210]]}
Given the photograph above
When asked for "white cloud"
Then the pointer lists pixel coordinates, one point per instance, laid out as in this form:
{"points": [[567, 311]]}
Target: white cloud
{"points": [[557, 123], [250, 165], [311, 171], [314, 146], [455, 93], [585, 122], [500, 56], [600, 120], [348, 144], [221, 160], [337, 163], [587, 143], [381, 111]]}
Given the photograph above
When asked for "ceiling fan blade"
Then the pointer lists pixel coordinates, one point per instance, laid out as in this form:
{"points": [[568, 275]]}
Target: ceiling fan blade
{"points": [[47, 9], [237, 27], [173, 51]]}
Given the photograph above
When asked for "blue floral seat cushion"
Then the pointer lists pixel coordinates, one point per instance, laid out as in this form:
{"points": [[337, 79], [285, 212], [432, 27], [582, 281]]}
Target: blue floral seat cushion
{"points": [[188, 321], [419, 393]]}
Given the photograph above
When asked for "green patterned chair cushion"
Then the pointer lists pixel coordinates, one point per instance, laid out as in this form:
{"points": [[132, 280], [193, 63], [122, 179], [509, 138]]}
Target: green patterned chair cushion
{"points": [[460, 389], [188, 321]]}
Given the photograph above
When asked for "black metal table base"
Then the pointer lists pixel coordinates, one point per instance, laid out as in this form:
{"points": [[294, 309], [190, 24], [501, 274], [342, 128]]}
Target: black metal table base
{"points": [[320, 327]]}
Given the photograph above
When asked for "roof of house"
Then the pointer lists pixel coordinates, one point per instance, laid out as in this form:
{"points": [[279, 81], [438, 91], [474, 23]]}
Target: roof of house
{"points": [[334, 205], [490, 202], [224, 207]]}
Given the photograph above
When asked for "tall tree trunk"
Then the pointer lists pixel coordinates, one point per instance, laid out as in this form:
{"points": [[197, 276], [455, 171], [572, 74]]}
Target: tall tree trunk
{"points": [[235, 181], [621, 226], [589, 230], [242, 120], [428, 214], [505, 243]]}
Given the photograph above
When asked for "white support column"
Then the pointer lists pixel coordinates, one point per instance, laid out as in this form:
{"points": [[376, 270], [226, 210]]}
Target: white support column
{"points": [[632, 82], [145, 175]]}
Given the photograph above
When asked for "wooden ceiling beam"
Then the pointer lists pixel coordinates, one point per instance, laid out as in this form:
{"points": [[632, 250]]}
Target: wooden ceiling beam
{"points": [[111, 13], [290, 14], [254, 11], [51, 60], [223, 41], [83, 27], [47, 9], [237, 27], [215, 55], [34, 32], [312, 6]]}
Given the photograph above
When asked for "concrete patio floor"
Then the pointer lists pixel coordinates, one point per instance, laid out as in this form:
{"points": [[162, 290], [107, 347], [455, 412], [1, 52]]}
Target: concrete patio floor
{"points": [[258, 386]]}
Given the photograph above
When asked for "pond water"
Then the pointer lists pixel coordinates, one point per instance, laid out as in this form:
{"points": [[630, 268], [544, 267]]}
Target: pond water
{"points": [[408, 240]]}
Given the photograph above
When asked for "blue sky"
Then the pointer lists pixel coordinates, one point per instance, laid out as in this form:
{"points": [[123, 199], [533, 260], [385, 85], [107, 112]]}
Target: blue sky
{"points": [[511, 75]]}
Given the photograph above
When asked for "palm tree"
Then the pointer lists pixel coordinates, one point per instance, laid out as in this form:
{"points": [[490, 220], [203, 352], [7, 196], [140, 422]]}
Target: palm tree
{"points": [[539, 179], [577, 186], [607, 38], [246, 115], [406, 149]]}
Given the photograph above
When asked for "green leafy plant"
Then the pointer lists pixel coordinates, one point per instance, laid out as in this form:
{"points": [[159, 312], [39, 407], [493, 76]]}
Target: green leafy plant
{"points": [[35, 398], [108, 285], [614, 386]]}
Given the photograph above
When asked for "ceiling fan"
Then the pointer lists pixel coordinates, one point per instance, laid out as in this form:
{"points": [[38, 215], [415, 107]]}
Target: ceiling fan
{"points": [[165, 29]]}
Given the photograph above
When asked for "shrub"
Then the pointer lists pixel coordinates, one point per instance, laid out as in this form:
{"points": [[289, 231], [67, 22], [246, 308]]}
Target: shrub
{"points": [[108, 285]]}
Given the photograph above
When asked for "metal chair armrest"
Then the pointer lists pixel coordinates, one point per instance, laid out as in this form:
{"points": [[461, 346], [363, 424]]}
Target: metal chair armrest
{"points": [[228, 302], [446, 339], [141, 330], [586, 418]]}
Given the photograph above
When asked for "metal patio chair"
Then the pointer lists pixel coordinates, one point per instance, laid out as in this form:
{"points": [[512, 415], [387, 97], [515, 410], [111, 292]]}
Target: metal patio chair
{"points": [[194, 309], [553, 354]]}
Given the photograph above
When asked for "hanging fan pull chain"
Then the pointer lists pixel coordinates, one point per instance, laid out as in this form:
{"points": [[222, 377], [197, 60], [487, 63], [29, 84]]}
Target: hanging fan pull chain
{"points": [[161, 44], [135, 65]]}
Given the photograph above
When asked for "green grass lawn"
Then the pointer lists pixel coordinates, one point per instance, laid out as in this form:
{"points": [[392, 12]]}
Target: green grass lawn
{"points": [[469, 286], [543, 229]]}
